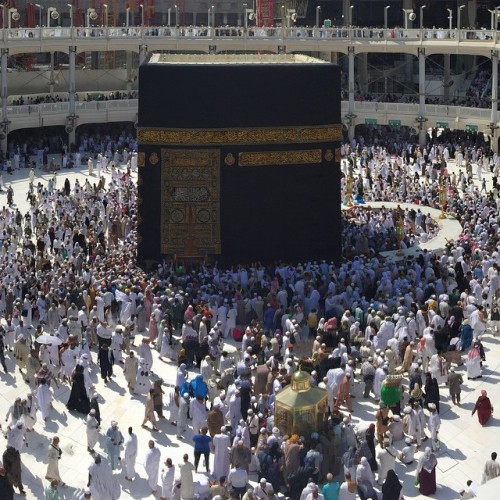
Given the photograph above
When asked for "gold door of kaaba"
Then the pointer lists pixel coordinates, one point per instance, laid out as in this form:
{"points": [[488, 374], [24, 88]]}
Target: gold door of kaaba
{"points": [[190, 194]]}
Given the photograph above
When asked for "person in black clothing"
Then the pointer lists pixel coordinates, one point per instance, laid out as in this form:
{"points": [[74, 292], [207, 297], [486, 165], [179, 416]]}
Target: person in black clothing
{"points": [[370, 441], [6, 488], [105, 362], [431, 391], [12, 463], [10, 196], [2, 350], [78, 399], [94, 405], [391, 489]]}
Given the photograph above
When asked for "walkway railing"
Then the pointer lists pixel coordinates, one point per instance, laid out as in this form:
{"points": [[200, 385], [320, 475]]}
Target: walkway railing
{"points": [[274, 33]]}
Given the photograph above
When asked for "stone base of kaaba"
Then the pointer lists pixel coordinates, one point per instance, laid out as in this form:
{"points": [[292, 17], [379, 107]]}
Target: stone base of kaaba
{"points": [[239, 159]]}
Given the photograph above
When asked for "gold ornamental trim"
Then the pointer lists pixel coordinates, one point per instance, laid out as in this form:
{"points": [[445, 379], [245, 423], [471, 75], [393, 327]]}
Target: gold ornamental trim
{"points": [[241, 136], [153, 158], [141, 159], [338, 155], [229, 160], [328, 155], [259, 158]]}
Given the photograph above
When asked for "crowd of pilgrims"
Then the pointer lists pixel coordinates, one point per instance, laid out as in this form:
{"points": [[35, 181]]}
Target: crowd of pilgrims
{"points": [[392, 323]]}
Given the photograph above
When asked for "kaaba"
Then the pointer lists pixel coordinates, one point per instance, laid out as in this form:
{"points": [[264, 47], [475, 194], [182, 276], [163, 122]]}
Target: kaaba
{"points": [[239, 159]]}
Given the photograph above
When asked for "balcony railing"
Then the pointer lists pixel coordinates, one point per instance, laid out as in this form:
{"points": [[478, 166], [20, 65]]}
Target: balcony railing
{"points": [[394, 35]]}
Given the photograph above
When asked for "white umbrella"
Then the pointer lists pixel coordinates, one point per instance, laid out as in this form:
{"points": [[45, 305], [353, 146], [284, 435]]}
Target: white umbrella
{"points": [[48, 339]]}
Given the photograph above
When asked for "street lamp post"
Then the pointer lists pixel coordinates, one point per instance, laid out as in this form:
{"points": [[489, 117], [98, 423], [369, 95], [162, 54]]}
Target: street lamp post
{"points": [[450, 18], [213, 16], [350, 14], [493, 14], [176, 15], [127, 17], [142, 14], [249, 15], [318, 11], [51, 14], [169, 16], [12, 12], [422, 7], [386, 8], [459, 11], [105, 13], [70, 15], [91, 15], [40, 7], [407, 12]]}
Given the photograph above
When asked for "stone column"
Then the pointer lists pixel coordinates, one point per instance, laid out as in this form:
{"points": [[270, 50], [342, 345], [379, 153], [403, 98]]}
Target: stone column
{"points": [[421, 97], [51, 83], [362, 64], [72, 93], [494, 100], [346, 12], [446, 78], [351, 114], [143, 52], [4, 60], [129, 70], [4, 94], [471, 14]]}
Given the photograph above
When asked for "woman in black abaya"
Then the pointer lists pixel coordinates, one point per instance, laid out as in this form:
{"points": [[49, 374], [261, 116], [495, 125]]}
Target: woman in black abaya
{"points": [[78, 399], [391, 489]]}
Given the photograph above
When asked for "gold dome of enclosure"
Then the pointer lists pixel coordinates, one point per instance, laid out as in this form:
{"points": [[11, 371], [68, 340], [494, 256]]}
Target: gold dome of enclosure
{"points": [[300, 408]]}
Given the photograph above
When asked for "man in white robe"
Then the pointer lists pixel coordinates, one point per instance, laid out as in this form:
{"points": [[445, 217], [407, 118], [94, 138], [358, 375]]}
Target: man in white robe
{"points": [[167, 480], [29, 413], [187, 483], [231, 321], [116, 344], [152, 466], [130, 455], [387, 459], [182, 415], [434, 424], [412, 425], [102, 484], [92, 431], [198, 412], [44, 399], [334, 377], [16, 436], [142, 381], [130, 370], [144, 352], [68, 361], [380, 375], [233, 415], [206, 368], [222, 446], [491, 468]]}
